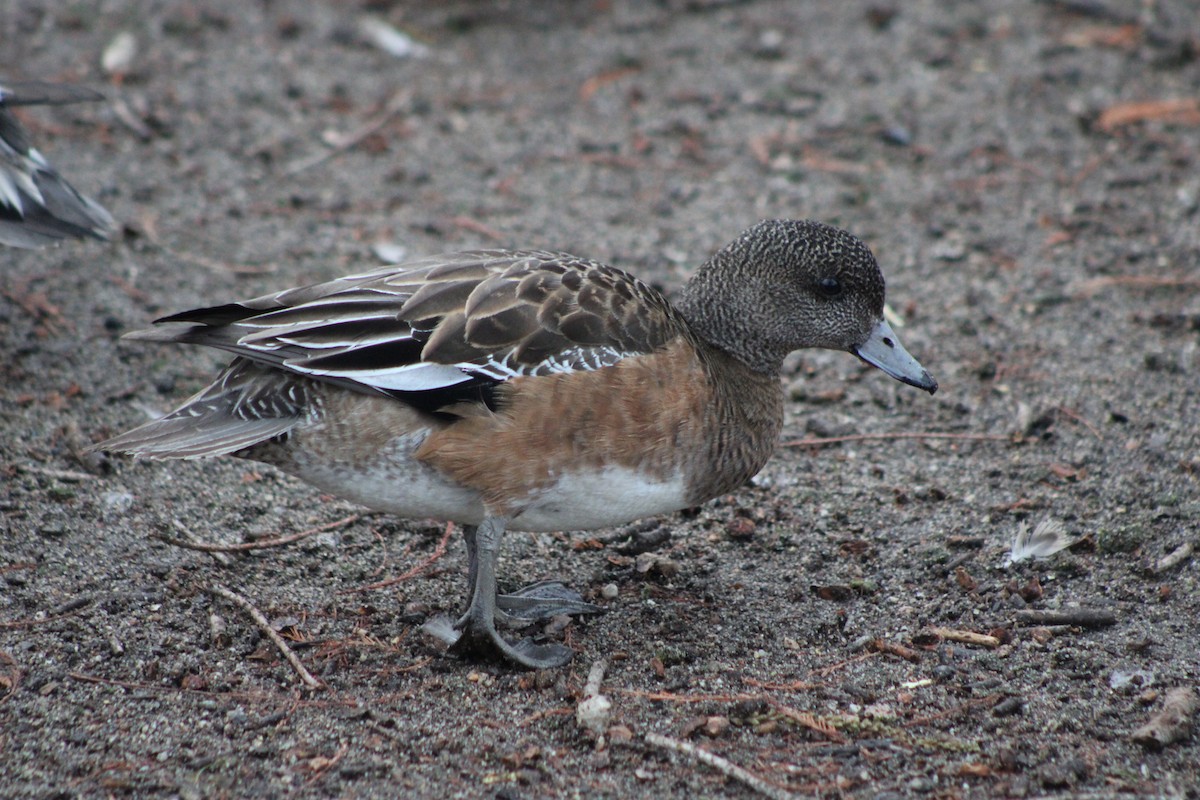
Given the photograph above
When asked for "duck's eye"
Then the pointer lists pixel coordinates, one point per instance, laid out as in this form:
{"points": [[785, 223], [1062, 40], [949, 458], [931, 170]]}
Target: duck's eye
{"points": [[830, 287]]}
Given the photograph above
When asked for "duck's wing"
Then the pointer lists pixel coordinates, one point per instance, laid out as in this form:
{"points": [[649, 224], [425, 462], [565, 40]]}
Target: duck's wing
{"points": [[37, 206], [439, 334], [461, 320]]}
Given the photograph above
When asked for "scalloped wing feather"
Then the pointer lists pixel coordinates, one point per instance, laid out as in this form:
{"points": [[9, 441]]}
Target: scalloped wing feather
{"points": [[443, 321]]}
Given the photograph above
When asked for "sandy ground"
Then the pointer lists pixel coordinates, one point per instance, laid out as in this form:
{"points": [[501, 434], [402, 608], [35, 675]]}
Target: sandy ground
{"points": [[1028, 175]]}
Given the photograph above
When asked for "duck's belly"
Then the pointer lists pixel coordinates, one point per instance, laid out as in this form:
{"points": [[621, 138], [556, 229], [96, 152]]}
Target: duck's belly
{"points": [[602, 498], [389, 480], [394, 481]]}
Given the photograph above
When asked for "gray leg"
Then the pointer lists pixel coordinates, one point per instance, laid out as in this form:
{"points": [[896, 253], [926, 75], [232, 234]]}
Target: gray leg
{"points": [[478, 625], [468, 533], [534, 602]]}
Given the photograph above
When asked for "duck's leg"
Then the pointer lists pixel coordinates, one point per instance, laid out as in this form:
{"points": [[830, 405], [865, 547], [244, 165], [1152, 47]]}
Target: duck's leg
{"points": [[478, 625], [536, 601]]}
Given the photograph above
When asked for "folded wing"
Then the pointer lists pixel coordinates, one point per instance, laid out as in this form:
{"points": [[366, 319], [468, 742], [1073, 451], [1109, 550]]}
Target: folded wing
{"points": [[440, 334]]}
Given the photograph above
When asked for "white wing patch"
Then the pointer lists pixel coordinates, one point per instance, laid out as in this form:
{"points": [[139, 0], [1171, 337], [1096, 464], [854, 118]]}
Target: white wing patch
{"points": [[409, 378], [501, 367]]}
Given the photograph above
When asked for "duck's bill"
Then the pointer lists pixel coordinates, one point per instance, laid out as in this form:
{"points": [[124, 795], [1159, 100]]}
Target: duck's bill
{"points": [[883, 350]]}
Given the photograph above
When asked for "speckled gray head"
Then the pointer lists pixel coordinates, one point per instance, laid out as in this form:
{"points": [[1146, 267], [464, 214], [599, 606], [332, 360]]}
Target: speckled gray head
{"points": [[783, 285]]}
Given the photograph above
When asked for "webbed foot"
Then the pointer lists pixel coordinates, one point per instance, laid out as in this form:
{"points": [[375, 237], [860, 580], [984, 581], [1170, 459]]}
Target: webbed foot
{"points": [[541, 600], [475, 632]]}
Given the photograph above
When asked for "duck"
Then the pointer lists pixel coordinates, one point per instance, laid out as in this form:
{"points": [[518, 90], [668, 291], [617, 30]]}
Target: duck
{"points": [[526, 390], [37, 205]]}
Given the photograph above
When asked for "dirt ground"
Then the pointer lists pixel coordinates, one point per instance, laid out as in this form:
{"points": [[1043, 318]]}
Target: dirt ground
{"points": [[1028, 174]]}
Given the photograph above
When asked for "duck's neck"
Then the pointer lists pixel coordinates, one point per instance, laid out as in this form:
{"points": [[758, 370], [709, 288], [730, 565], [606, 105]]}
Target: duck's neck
{"points": [[715, 308], [747, 405]]}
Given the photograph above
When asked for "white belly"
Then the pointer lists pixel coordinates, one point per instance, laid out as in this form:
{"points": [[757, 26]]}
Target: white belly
{"points": [[389, 480], [577, 502], [599, 499], [395, 482]]}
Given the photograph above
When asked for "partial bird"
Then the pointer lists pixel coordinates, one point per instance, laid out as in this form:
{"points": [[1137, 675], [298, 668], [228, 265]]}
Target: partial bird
{"points": [[37, 205], [527, 390]]}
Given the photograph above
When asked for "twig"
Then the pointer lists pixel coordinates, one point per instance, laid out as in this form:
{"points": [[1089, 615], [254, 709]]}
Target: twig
{"points": [[271, 633], [218, 266], [1082, 617], [475, 226], [259, 545], [966, 637], [1069, 414], [595, 678], [391, 108], [129, 685], [722, 765], [1172, 559], [896, 649], [221, 558], [824, 441], [594, 83], [66, 475], [151, 233], [670, 697], [594, 710], [437, 553], [778, 686]]}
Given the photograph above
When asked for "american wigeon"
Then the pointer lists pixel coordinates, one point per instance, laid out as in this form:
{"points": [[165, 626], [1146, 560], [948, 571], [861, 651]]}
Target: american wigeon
{"points": [[38, 207], [529, 390]]}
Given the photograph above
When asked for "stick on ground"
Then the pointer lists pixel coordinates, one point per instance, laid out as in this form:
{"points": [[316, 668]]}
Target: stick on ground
{"points": [[722, 765], [823, 441], [595, 709], [1083, 617], [437, 553], [262, 544], [394, 105], [272, 634], [1172, 559], [965, 637]]}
